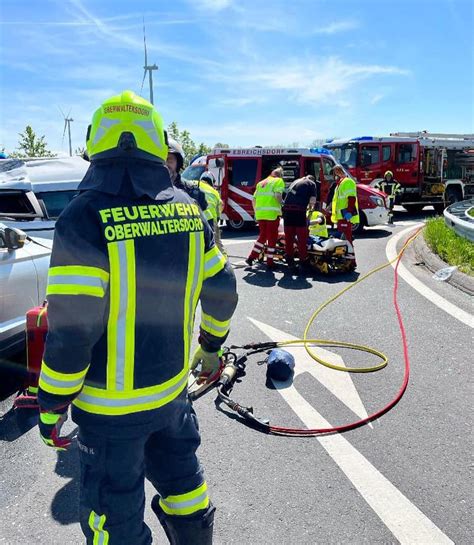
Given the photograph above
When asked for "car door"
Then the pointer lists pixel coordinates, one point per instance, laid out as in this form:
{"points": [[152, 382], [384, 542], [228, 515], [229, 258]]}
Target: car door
{"points": [[19, 293], [370, 163]]}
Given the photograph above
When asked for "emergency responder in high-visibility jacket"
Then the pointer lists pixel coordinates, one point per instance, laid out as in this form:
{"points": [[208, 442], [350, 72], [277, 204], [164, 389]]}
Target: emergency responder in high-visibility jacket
{"points": [[391, 188], [131, 258], [317, 224], [267, 201], [214, 205], [345, 209], [175, 163]]}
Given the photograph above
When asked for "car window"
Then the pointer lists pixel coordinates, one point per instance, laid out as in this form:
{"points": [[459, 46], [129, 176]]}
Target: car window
{"points": [[370, 155], [327, 167], [406, 153], [244, 172], [386, 151], [14, 202], [56, 201], [193, 172]]}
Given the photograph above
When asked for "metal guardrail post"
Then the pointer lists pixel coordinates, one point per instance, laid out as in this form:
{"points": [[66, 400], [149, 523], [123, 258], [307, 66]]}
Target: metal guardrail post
{"points": [[456, 217]]}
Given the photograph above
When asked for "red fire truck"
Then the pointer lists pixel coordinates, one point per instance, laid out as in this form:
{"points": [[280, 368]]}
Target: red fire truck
{"points": [[426, 165], [239, 170]]}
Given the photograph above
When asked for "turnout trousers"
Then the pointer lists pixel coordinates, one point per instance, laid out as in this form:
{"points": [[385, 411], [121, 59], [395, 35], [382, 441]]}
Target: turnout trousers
{"points": [[268, 236], [113, 470]]}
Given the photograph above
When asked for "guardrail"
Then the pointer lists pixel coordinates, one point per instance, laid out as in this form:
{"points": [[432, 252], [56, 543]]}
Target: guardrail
{"points": [[457, 217]]}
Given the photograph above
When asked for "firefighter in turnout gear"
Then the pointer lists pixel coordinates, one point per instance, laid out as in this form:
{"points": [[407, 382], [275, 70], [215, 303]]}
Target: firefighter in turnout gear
{"points": [[131, 258], [267, 201], [175, 163], [391, 188], [344, 208], [214, 205]]}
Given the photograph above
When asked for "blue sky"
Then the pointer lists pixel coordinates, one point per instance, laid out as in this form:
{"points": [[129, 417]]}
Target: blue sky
{"points": [[243, 72]]}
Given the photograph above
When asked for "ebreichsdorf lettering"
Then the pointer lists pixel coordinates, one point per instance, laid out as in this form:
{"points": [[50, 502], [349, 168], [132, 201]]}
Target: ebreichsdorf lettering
{"points": [[126, 222]]}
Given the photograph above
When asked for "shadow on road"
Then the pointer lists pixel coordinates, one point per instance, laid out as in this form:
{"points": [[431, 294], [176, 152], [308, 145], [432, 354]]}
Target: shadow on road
{"points": [[65, 504]]}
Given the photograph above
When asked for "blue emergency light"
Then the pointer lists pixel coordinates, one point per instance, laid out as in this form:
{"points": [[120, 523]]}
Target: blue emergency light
{"points": [[322, 151], [359, 138]]}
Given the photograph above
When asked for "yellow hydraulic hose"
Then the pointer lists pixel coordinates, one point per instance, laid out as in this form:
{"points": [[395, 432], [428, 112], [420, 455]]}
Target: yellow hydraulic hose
{"points": [[307, 343]]}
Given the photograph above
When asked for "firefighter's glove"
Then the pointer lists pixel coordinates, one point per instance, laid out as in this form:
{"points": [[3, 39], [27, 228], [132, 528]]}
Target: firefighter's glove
{"points": [[346, 215], [49, 424], [209, 362]]}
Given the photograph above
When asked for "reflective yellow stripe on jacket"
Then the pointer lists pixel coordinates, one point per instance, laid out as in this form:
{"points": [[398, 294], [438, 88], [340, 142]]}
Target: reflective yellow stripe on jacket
{"points": [[214, 262], [77, 280], [213, 326], [61, 383]]}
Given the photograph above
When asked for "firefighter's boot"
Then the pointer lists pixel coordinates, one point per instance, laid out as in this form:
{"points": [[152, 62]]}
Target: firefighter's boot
{"points": [[182, 530]]}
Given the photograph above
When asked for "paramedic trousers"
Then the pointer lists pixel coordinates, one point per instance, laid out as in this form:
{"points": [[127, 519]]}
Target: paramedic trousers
{"points": [[344, 227], [301, 234], [268, 236], [113, 474]]}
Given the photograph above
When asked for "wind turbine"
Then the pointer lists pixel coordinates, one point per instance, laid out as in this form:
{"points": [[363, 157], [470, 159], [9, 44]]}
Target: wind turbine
{"points": [[67, 125], [148, 68]]}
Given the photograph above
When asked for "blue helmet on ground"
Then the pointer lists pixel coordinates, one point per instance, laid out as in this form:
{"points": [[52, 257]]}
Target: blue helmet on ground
{"points": [[280, 364]]}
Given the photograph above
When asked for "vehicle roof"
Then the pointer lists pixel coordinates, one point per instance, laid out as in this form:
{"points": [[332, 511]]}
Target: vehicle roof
{"points": [[43, 174], [259, 152], [369, 139]]}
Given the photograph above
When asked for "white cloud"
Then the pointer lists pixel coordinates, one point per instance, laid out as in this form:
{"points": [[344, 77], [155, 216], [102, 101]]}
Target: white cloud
{"points": [[324, 81], [212, 5], [376, 98], [257, 133], [337, 26]]}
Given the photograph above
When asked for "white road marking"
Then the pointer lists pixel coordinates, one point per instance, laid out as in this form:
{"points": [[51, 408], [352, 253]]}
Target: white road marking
{"points": [[406, 522], [337, 382], [435, 298], [239, 241]]}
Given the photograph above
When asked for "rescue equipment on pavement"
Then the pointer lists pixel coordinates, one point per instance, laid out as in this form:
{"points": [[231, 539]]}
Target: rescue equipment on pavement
{"points": [[325, 255], [233, 366]]}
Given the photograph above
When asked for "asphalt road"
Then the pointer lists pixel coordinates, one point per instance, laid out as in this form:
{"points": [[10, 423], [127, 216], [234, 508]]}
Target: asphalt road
{"points": [[404, 479]]}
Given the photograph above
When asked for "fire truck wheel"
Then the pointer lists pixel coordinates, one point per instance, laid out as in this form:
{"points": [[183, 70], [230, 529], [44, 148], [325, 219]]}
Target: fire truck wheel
{"points": [[439, 208], [235, 225]]}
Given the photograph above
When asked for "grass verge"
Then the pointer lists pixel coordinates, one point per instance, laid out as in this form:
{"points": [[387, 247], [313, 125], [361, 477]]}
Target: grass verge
{"points": [[450, 247]]}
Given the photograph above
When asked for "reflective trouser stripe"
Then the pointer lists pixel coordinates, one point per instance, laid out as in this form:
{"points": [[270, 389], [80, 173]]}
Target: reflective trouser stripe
{"points": [[121, 324], [186, 504], [96, 524], [214, 326], [194, 279]]}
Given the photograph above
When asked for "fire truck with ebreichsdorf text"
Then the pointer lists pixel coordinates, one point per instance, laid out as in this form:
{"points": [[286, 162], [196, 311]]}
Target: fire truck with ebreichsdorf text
{"points": [[238, 171]]}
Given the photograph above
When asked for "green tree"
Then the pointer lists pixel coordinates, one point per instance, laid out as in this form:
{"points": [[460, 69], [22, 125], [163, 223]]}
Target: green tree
{"points": [[190, 147], [222, 146], [30, 145]]}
